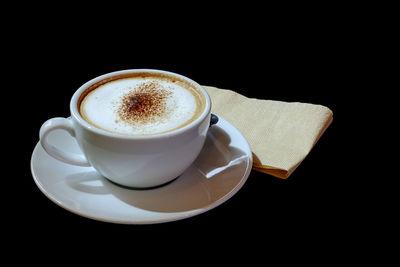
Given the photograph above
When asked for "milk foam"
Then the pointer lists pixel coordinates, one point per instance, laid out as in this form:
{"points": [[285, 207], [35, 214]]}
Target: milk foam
{"points": [[100, 107]]}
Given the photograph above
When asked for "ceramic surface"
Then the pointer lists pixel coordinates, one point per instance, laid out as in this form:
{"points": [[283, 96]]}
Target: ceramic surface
{"points": [[220, 170], [134, 161]]}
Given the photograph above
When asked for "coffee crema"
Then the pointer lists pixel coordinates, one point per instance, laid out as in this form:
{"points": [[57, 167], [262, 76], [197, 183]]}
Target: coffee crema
{"points": [[141, 104]]}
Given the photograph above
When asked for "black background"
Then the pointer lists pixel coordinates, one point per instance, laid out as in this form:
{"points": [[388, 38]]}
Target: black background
{"points": [[304, 59]]}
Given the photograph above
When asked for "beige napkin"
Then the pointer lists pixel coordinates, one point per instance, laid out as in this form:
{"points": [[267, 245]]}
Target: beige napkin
{"points": [[280, 134]]}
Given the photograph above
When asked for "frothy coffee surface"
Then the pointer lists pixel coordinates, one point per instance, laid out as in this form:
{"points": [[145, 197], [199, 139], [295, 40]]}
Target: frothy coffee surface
{"points": [[140, 105]]}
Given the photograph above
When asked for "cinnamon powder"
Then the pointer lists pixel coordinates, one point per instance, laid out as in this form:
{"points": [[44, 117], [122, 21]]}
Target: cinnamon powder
{"points": [[146, 103]]}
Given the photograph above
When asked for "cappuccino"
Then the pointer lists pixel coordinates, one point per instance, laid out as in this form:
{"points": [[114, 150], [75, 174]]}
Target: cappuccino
{"points": [[141, 104]]}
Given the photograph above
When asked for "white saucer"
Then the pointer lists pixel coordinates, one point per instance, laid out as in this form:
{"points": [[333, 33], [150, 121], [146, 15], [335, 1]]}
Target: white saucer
{"points": [[217, 174]]}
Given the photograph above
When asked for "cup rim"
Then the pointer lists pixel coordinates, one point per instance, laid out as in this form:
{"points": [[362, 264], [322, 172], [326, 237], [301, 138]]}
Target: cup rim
{"points": [[77, 116]]}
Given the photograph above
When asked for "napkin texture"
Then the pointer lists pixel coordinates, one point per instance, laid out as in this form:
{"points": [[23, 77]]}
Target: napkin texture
{"points": [[280, 134]]}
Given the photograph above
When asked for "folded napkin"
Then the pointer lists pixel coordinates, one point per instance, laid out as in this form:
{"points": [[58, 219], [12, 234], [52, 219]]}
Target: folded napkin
{"points": [[280, 134]]}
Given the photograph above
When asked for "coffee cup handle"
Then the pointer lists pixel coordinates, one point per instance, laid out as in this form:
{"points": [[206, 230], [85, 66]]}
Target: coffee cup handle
{"points": [[67, 157]]}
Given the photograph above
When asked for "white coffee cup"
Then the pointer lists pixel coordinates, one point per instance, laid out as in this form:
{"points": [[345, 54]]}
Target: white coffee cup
{"points": [[141, 161]]}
